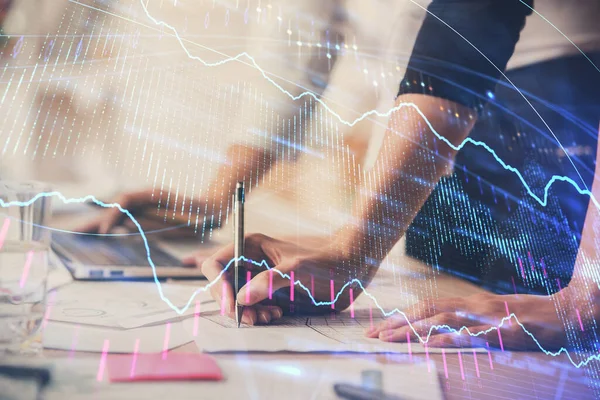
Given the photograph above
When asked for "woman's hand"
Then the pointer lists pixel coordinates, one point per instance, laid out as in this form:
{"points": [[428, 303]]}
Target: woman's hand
{"points": [[481, 314], [269, 294]]}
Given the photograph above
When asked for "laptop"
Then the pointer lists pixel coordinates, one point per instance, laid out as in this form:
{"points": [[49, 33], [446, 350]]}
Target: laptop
{"points": [[119, 257]]}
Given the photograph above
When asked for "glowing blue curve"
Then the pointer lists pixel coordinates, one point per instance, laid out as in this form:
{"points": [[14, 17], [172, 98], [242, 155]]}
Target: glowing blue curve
{"points": [[543, 201], [368, 113], [264, 264]]}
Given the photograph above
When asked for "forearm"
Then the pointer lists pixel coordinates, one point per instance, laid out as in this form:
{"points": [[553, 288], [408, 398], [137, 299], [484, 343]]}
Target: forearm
{"points": [[586, 273], [410, 164]]}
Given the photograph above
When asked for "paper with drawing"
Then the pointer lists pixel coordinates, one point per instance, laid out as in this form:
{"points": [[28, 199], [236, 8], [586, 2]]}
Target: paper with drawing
{"points": [[333, 332]]}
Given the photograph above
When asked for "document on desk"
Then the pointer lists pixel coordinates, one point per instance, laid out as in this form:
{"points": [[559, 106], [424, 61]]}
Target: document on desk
{"points": [[152, 339], [123, 305], [327, 333]]}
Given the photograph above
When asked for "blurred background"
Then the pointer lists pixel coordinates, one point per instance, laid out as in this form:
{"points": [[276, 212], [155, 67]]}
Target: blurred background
{"points": [[108, 95]]}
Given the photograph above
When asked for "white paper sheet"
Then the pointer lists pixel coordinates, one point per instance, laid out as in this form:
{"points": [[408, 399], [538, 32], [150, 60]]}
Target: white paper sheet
{"points": [[330, 333], [72, 337], [119, 304]]}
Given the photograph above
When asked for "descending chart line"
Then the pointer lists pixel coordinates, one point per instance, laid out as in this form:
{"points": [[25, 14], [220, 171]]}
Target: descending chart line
{"points": [[264, 264]]}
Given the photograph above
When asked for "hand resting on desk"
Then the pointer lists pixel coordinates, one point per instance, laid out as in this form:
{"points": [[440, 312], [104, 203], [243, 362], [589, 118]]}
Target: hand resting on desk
{"points": [[157, 212], [481, 313]]}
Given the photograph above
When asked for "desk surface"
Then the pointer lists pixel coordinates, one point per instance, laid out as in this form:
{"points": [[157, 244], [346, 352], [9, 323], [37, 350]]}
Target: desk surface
{"points": [[495, 375]]}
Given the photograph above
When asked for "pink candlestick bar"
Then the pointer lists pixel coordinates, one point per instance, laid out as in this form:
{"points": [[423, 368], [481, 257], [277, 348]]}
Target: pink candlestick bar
{"points": [[351, 303], [460, 363], [427, 357], [562, 294], [500, 339], [270, 284], [544, 268], [512, 278], [409, 348], [476, 363], [136, 348], [522, 269], [248, 279], [292, 286], [166, 342], [332, 294], [508, 313], [531, 261], [26, 268], [445, 365], [223, 289], [579, 319], [4, 231], [102, 364], [196, 318], [489, 355]]}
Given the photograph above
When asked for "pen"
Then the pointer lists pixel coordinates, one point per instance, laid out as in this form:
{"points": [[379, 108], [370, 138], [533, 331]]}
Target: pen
{"points": [[238, 244]]}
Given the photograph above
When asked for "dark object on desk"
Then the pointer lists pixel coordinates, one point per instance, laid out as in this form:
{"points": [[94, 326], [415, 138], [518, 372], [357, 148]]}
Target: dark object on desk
{"points": [[20, 382], [92, 257], [372, 379], [238, 242], [354, 392]]}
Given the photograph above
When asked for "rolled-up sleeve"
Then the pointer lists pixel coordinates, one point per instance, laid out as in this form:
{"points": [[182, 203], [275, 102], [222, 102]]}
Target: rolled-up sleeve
{"points": [[462, 48]]}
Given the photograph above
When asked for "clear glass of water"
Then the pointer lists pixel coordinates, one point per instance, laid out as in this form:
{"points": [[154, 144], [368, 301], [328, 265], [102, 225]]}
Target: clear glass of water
{"points": [[24, 247]]}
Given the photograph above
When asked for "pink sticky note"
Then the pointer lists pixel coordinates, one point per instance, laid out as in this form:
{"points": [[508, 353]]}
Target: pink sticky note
{"points": [[152, 367]]}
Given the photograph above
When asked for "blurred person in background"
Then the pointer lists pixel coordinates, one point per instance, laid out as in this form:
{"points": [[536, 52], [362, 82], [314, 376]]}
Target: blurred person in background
{"points": [[328, 44], [48, 121]]}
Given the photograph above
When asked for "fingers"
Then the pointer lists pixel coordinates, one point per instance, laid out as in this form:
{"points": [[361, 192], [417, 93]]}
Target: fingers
{"points": [[90, 226], [267, 314], [259, 314], [420, 311], [443, 330], [113, 215], [214, 268], [265, 281], [419, 329], [249, 316], [220, 285], [476, 336]]}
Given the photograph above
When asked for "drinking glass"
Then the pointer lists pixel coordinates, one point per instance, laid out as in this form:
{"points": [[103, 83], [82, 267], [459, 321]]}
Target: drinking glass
{"points": [[24, 247]]}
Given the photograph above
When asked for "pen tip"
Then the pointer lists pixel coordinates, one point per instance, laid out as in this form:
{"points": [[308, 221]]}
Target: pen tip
{"points": [[239, 311]]}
